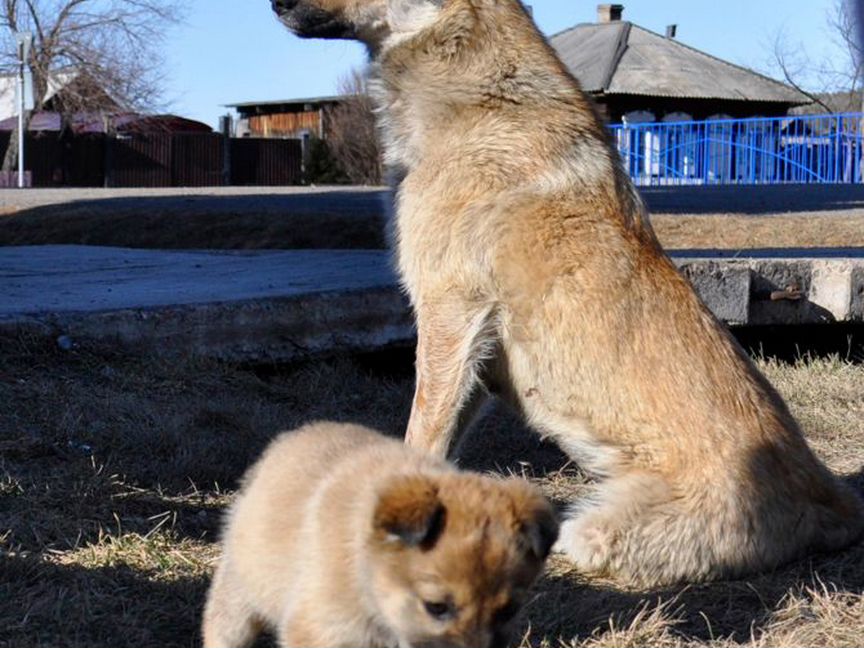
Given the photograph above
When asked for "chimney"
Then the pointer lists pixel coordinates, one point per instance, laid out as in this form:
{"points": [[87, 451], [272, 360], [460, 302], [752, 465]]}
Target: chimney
{"points": [[607, 13], [671, 30]]}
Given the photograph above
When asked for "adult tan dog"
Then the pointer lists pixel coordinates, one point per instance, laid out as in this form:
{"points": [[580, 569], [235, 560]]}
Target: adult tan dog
{"points": [[342, 537], [533, 270]]}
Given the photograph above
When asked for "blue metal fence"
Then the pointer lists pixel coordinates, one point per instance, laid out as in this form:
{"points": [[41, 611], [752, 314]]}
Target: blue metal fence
{"points": [[822, 149]]}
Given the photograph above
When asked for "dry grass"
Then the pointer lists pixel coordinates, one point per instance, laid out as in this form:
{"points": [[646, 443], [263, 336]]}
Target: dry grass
{"points": [[114, 471], [739, 232]]}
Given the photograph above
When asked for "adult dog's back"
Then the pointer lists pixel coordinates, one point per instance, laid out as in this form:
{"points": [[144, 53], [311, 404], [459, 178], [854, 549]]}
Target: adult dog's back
{"points": [[532, 268]]}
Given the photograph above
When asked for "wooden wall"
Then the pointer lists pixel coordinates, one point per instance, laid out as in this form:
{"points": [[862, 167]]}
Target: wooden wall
{"points": [[285, 124]]}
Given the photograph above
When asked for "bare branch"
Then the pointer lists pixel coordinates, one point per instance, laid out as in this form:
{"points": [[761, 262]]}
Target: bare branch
{"points": [[793, 69], [34, 16], [65, 12], [10, 14]]}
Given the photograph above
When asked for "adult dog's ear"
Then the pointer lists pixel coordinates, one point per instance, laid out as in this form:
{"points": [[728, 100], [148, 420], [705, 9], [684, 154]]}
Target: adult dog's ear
{"points": [[409, 513], [410, 16]]}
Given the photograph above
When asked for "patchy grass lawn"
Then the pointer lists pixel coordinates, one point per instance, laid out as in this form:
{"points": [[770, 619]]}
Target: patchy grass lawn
{"points": [[114, 472], [279, 218]]}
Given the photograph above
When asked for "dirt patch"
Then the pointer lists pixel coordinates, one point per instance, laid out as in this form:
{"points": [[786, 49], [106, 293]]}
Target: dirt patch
{"points": [[114, 472]]}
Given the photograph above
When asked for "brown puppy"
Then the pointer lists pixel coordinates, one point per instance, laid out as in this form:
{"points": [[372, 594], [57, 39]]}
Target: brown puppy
{"points": [[533, 270], [342, 537]]}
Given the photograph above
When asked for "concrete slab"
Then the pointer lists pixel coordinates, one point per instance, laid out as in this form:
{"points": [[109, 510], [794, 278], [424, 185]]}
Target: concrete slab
{"points": [[239, 306], [283, 305], [65, 278]]}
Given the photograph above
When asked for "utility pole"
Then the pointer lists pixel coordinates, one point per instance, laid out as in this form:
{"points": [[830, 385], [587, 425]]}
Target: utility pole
{"points": [[225, 128], [25, 89]]}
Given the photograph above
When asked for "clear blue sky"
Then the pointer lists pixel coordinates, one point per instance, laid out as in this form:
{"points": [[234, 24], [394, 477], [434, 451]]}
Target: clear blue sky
{"points": [[229, 51]]}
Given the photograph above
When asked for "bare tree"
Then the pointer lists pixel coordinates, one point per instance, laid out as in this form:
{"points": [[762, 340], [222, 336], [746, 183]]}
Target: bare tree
{"points": [[351, 132], [843, 74], [106, 54]]}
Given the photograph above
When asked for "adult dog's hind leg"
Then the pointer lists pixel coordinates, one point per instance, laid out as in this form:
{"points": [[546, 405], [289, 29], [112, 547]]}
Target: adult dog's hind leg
{"points": [[454, 337], [645, 530]]}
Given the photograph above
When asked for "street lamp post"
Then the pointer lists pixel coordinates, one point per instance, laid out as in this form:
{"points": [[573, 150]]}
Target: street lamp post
{"points": [[24, 39]]}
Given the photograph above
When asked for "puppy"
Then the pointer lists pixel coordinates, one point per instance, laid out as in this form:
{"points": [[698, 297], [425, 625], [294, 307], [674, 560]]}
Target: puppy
{"points": [[342, 537]]}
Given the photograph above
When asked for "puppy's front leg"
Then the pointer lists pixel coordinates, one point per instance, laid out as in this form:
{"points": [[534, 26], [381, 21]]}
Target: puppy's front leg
{"points": [[454, 336]]}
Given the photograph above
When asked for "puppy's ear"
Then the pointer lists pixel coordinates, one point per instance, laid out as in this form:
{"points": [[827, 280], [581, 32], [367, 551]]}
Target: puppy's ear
{"points": [[409, 513], [541, 532], [537, 520]]}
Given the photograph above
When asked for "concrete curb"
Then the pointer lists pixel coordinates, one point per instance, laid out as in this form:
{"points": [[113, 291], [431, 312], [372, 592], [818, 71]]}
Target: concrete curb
{"points": [[294, 305], [757, 291], [256, 330]]}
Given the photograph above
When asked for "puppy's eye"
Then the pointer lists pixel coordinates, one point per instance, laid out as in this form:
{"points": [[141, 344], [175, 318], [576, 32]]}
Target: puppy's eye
{"points": [[440, 610]]}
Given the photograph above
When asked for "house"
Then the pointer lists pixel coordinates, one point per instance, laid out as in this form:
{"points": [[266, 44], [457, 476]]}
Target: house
{"points": [[288, 118], [65, 87], [635, 75]]}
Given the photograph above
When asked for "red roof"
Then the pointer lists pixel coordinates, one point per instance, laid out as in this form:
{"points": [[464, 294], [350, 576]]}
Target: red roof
{"points": [[117, 123]]}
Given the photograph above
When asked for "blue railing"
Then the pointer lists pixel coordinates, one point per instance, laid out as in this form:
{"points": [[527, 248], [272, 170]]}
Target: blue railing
{"points": [[821, 149]]}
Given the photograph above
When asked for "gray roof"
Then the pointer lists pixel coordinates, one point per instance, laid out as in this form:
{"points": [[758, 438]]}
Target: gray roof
{"points": [[623, 58], [283, 102]]}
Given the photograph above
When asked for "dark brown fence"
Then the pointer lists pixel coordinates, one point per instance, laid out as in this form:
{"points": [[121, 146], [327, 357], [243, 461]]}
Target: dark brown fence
{"points": [[52, 161], [197, 160], [138, 161], [266, 162], [159, 160]]}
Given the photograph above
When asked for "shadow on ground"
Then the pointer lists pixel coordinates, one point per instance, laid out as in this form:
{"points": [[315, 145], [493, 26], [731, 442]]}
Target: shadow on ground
{"points": [[106, 606], [337, 220], [755, 199]]}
